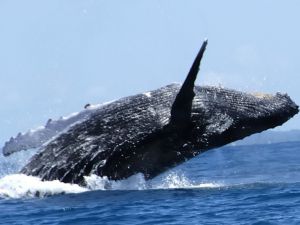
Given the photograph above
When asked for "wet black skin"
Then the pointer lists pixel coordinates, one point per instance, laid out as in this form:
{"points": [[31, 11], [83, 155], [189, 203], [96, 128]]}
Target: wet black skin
{"points": [[151, 134]]}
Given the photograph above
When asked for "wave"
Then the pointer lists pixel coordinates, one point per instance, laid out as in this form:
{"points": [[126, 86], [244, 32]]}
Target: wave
{"points": [[172, 180], [23, 186], [14, 185], [20, 186]]}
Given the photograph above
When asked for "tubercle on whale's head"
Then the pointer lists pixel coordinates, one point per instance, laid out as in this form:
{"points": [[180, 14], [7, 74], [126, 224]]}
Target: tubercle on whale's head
{"points": [[221, 116], [291, 107]]}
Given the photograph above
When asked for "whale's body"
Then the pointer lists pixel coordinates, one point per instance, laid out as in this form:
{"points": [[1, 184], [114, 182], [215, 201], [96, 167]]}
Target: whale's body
{"points": [[152, 132], [129, 136]]}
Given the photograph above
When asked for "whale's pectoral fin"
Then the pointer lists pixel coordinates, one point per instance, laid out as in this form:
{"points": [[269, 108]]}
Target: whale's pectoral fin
{"points": [[182, 106]]}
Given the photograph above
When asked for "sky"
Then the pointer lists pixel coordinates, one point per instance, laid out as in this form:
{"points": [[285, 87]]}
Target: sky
{"points": [[58, 55]]}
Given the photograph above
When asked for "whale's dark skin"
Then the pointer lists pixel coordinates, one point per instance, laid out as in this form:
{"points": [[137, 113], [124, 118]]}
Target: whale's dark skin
{"points": [[153, 132]]}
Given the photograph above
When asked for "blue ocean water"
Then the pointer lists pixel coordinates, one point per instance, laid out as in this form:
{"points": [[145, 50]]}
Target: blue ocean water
{"points": [[258, 184]]}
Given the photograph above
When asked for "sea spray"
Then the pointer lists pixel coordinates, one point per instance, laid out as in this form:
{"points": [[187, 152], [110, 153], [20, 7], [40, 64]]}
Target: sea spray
{"points": [[13, 163], [14, 185], [22, 186], [135, 182]]}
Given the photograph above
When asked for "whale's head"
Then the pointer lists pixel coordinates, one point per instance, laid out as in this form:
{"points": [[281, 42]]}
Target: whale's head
{"points": [[212, 118], [209, 117], [220, 116]]}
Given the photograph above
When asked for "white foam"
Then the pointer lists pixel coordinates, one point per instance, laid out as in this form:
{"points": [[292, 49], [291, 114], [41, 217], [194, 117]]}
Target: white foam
{"points": [[174, 180], [136, 182], [22, 186]]}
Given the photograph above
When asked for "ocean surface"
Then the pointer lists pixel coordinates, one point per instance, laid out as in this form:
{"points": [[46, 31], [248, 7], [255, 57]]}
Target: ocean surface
{"points": [[257, 184]]}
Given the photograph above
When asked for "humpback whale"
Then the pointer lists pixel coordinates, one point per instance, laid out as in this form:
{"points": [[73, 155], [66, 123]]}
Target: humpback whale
{"points": [[152, 132]]}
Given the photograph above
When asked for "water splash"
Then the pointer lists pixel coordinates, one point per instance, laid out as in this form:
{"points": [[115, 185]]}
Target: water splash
{"points": [[172, 180], [22, 186], [13, 163], [176, 180], [14, 185], [135, 182]]}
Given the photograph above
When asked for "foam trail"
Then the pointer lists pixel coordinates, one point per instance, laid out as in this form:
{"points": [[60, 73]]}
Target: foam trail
{"points": [[172, 180], [136, 182], [22, 186]]}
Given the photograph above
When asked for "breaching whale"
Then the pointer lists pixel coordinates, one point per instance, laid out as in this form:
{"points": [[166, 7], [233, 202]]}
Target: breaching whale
{"points": [[152, 132]]}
